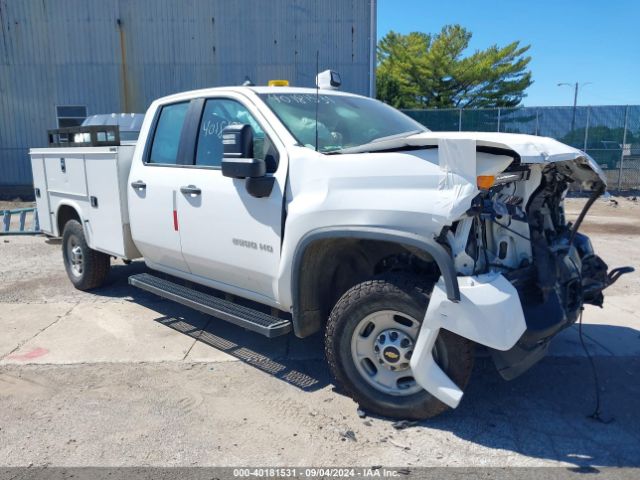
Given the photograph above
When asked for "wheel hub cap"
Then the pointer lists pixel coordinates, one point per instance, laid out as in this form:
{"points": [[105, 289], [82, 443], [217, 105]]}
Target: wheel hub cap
{"points": [[75, 257], [381, 348], [394, 348]]}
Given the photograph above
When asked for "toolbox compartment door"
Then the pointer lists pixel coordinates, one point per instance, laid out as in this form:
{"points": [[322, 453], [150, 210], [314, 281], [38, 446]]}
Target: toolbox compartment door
{"points": [[41, 193], [105, 220], [108, 226], [65, 174]]}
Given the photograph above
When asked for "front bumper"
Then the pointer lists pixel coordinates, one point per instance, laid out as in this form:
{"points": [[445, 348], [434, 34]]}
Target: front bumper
{"points": [[511, 314], [488, 313]]}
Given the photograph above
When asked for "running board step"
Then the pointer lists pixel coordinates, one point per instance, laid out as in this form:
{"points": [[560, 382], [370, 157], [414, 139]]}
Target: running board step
{"points": [[240, 315]]}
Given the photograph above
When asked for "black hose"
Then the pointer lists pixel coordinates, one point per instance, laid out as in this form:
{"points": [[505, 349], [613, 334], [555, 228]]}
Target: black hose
{"points": [[594, 196]]}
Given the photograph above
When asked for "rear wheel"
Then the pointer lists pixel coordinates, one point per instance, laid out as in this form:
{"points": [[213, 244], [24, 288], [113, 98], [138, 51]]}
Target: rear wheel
{"points": [[86, 268], [369, 341]]}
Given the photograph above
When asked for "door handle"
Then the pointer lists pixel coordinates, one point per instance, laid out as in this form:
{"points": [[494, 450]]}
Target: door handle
{"points": [[190, 190], [139, 185]]}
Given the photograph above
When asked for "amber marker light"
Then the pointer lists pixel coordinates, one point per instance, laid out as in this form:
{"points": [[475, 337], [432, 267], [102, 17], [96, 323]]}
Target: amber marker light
{"points": [[485, 182]]}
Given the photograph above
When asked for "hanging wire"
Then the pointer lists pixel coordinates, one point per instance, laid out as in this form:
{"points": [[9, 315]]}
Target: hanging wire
{"points": [[597, 412]]}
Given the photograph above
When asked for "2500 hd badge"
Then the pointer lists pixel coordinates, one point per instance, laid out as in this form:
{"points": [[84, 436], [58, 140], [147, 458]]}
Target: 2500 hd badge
{"points": [[253, 245]]}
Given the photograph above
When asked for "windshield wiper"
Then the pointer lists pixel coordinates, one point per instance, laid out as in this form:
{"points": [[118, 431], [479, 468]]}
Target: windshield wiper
{"points": [[365, 147]]}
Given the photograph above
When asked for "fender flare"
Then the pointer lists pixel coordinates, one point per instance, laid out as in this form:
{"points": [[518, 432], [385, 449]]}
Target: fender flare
{"points": [[74, 206], [427, 245]]}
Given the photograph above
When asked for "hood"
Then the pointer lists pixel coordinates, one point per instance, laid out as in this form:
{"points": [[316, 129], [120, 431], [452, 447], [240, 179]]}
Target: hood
{"points": [[531, 149], [528, 149]]}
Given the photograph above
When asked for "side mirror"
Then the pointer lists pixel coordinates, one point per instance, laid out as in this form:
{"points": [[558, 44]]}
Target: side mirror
{"points": [[237, 141], [238, 161], [243, 167]]}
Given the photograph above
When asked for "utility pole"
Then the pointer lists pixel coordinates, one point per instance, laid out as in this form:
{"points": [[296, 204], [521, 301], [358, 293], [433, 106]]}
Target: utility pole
{"points": [[576, 87]]}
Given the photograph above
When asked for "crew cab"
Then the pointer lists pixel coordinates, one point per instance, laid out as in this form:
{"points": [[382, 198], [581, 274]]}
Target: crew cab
{"points": [[307, 211]]}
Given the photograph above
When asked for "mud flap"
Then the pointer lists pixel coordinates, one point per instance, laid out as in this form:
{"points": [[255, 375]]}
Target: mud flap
{"points": [[488, 313]]}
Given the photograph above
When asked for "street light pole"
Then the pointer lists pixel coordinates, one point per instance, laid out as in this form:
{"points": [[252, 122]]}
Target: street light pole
{"points": [[575, 104], [576, 87]]}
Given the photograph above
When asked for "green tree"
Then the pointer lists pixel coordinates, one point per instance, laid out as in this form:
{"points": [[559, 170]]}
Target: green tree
{"points": [[421, 70]]}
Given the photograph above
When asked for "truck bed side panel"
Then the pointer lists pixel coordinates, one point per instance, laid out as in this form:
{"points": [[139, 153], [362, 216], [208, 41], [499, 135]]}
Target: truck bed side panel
{"points": [[92, 181]]}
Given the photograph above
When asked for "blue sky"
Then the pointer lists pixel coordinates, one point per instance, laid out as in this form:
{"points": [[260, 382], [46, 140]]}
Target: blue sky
{"points": [[571, 40]]}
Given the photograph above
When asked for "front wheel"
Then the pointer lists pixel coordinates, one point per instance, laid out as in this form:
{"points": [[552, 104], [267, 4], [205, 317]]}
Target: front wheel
{"points": [[86, 268], [369, 340]]}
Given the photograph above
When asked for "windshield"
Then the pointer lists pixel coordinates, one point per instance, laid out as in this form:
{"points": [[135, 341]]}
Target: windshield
{"points": [[343, 121]]}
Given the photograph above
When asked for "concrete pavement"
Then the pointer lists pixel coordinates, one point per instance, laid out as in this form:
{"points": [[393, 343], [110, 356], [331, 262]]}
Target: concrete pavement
{"points": [[120, 377], [145, 329]]}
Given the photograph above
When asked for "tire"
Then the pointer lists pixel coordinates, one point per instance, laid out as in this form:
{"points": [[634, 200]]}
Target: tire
{"points": [[86, 268], [398, 301]]}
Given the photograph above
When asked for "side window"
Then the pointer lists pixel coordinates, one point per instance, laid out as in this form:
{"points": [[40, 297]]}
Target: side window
{"points": [[166, 139], [219, 113]]}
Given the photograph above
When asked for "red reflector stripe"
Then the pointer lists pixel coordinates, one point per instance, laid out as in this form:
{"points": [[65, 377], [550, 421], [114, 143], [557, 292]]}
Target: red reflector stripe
{"points": [[175, 220]]}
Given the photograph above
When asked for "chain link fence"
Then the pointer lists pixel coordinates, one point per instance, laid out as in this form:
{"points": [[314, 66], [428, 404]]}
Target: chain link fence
{"points": [[610, 134]]}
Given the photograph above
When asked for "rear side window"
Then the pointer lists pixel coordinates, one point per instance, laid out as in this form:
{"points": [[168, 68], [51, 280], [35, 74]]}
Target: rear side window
{"points": [[166, 140]]}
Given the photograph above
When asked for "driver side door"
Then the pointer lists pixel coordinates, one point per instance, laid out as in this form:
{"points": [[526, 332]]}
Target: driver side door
{"points": [[231, 239]]}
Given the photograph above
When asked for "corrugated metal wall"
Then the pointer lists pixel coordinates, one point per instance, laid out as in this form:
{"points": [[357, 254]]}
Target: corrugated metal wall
{"points": [[119, 55]]}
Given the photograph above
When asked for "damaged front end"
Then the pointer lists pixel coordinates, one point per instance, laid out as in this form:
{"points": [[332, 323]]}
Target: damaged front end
{"points": [[524, 271], [562, 274]]}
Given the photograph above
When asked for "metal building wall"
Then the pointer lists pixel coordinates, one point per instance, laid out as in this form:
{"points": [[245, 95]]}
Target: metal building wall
{"points": [[119, 55]]}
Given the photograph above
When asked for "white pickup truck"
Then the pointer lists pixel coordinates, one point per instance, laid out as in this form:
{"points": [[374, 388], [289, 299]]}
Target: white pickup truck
{"points": [[335, 213]]}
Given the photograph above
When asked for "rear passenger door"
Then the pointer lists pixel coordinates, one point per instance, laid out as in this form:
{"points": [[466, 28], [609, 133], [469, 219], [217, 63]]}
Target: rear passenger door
{"points": [[227, 235], [154, 183]]}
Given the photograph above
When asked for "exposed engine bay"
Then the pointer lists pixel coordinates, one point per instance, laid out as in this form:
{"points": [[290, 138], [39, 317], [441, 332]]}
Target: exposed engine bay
{"points": [[517, 228]]}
